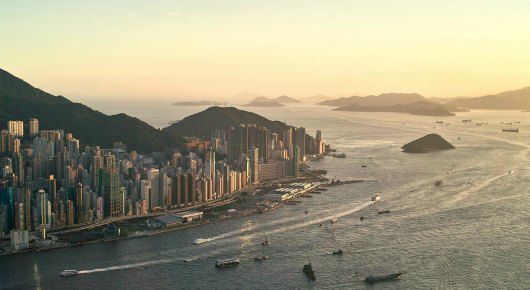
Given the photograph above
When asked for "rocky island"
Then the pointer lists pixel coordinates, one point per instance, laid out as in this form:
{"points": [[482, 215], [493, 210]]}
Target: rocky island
{"points": [[426, 144], [267, 104], [420, 108]]}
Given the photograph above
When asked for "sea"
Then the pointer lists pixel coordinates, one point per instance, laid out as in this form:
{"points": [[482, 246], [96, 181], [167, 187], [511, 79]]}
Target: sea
{"points": [[472, 232]]}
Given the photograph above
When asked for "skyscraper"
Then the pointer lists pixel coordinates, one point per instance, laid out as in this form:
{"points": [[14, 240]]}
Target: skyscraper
{"points": [[16, 128], [296, 158], [110, 188], [33, 127], [254, 164]]}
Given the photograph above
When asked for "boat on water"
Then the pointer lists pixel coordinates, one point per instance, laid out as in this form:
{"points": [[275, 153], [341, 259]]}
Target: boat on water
{"points": [[363, 166], [362, 218], [382, 278], [333, 220], [261, 258], [383, 211], [439, 183], [227, 262], [265, 242], [199, 241], [376, 197], [511, 171], [308, 270], [338, 252], [511, 130], [67, 273]]}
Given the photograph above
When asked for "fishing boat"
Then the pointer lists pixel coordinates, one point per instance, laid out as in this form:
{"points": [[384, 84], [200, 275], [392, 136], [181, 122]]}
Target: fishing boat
{"points": [[382, 278], [227, 262], [67, 273], [308, 270], [338, 252]]}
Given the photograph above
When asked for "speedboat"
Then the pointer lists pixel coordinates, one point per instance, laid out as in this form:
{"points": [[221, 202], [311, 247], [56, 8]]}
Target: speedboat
{"points": [[199, 241], [67, 273]]}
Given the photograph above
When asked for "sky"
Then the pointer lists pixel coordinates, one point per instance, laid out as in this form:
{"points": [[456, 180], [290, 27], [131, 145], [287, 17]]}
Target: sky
{"points": [[149, 49]]}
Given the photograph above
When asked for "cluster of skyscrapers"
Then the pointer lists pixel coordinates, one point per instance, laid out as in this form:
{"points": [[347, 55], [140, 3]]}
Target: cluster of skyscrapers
{"points": [[47, 181]]}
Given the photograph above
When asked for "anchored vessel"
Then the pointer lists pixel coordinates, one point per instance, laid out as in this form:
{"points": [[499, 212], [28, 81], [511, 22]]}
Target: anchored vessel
{"points": [[382, 278], [227, 262], [377, 197], [308, 270], [67, 273]]}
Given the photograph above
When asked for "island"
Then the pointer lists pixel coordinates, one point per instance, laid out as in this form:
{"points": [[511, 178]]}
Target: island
{"points": [[417, 108], [266, 104], [426, 144], [199, 103]]}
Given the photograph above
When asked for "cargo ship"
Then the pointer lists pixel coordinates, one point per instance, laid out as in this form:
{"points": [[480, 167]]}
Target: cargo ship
{"points": [[227, 262], [382, 278]]}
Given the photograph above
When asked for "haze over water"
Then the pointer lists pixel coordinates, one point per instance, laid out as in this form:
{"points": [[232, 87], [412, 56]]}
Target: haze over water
{"points": [[470, 233]]}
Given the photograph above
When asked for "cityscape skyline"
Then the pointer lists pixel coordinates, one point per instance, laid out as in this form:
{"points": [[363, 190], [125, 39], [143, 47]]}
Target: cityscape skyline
{"points": [[180, 50]]}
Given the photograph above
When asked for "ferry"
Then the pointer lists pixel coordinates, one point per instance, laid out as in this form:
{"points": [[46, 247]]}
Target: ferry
{"points": [[199, 241], [389, 277], [376, 197], [227, 262], [67, 273]]}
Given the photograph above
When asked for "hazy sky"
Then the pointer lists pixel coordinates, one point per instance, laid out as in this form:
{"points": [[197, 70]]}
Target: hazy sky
{"points": [[215, 48]]}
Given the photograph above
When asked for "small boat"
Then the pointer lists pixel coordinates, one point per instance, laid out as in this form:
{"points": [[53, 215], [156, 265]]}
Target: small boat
{"points": [[190, 260], [67, 273], [199, 241], [511, 171], [383, 211], [308, 270], [439, 183], [362, 218], [333, 220], [265, 242], [389, 277], [516, 130], [306, 212], [375, 198], [320, 225], [363, 166], [338, 252], [260, 258], [227, 262]]}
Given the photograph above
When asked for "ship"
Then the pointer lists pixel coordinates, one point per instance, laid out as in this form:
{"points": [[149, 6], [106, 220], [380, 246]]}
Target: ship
{"points": [[200, 241], [439, 183], [383, 211], [260, 258], [265, 242], [516, 130], [227, 262], [338, 252], [308, 270], [376, 197], [333, 220], [382, 278], [67, 273]]}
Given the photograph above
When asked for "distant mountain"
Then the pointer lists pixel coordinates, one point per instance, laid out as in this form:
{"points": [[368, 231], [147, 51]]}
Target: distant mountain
{"points": [[281, 99], [286, 100], [264, 104], [417, 108], [509, 100], [202, 123], [21, 101], [446, 100], [316, 99], [426, 144], [199, 103], [389, 99], [245, 96]]}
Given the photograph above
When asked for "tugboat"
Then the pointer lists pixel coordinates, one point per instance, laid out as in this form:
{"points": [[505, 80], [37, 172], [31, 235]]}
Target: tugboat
{"points": [[308, 270], [389, 277], [261, 258], [227, 262], [376, 197], [67, 273], [338, 252], [265, 242]]}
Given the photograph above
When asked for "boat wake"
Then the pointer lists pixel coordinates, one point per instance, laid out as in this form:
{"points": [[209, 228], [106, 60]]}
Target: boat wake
{"points": [[126, 266]]}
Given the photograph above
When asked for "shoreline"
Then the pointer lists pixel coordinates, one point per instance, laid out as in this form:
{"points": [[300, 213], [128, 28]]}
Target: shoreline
{"points": [[241, 214]]}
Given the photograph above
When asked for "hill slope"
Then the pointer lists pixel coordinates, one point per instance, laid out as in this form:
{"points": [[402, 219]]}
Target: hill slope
{"points": [[202, 123], [21, 101], [509, 100], [389, 99], [426, 144]]}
